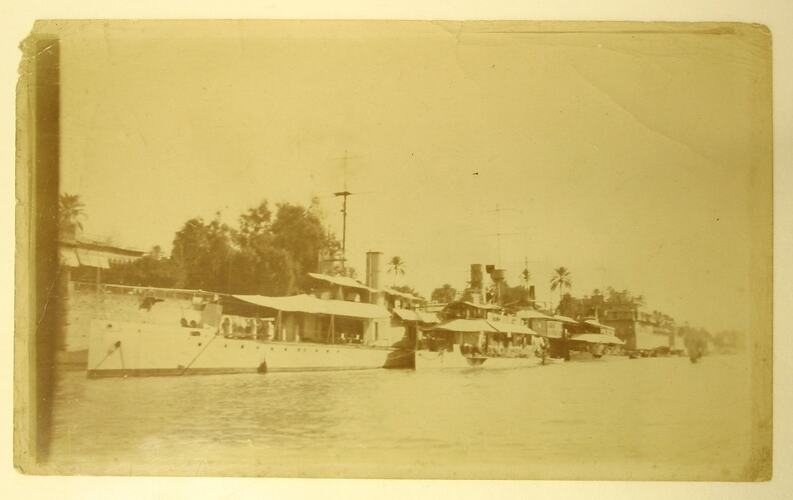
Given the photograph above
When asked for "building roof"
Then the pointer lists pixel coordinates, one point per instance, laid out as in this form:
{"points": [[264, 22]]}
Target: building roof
{"points": [[489, 307], [353, 283], [98, 245], [428, 317], [397, 293], [531, 314], [594, 323], [565, 319], [312, 305], [76, 253], [341, 281]]}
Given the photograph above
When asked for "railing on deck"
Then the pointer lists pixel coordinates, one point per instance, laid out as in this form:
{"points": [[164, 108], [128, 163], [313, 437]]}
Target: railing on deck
{"points": [[178, 293]]}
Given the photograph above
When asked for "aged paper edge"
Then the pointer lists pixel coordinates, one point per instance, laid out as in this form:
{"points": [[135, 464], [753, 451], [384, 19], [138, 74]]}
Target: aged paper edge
{"points": [[26, 410]]}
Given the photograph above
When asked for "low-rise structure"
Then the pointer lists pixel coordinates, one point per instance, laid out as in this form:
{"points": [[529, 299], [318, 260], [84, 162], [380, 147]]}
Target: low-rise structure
{"points": [[640, 329]]}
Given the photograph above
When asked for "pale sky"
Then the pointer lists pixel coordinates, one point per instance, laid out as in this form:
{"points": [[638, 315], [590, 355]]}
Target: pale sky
{"points": [[630, 158]]}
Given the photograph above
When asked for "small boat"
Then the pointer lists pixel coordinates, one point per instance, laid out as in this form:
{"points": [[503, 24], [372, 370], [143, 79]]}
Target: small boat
{"points": [[592, 345], [456, 344], [552, 361], [426, 359]]}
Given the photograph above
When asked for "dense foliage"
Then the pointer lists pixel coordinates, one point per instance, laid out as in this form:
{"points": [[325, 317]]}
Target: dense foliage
{"points": [[266, 253], [444, 294]]}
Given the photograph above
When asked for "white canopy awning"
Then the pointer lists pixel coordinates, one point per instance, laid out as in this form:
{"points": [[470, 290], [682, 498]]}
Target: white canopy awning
{"points": [[505, 327], [597, 338], [411, 315], [92, 258], [312, 305]]}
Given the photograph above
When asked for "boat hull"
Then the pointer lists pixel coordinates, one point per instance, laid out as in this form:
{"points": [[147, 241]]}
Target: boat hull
{"points": [[292, 357], [141, 349], [452, 359], [119, 349]]}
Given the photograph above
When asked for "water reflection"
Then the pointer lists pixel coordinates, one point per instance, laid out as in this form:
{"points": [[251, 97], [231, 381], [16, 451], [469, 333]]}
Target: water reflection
{"points": [[658, 413]]}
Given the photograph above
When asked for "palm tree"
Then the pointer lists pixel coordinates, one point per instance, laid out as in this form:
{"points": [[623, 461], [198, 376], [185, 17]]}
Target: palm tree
{"points": [[70, 211], [397, 266], [561, 280]]}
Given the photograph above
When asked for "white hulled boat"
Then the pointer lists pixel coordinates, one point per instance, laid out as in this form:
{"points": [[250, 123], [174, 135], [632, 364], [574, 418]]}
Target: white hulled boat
{"points": [[250, 334]]}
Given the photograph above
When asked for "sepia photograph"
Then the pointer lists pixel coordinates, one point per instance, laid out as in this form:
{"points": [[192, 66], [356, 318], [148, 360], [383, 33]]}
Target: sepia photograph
{"points": [[394, 250]]}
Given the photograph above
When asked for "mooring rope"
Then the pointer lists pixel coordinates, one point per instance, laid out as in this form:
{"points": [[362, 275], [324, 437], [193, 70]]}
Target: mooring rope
{"points": [[116, 346], [198, 355]]}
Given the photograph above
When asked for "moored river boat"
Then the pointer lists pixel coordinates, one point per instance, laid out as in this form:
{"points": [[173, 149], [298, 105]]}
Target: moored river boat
{"points": [[248, 334], [479, 343]]}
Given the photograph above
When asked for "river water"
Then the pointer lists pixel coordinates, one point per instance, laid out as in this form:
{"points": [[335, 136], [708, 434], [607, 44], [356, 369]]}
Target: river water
{"points": [[659, 418]]}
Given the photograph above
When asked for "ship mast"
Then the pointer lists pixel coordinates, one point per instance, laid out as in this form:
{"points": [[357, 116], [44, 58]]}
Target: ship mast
{"points": [[344, 194]]}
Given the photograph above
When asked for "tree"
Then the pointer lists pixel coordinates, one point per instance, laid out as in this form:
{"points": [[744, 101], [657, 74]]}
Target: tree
{"points": [[263, 255], [396, 266], [156, 252], [70, 211], [263, 270], [615, 297], [299, 232], [253, 224], [146, 271], [561, 280], [203, 253], [514, 294], [444, 294]]}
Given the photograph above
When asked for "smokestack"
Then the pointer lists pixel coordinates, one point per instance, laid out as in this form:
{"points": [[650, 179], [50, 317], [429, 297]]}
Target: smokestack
{"points": [[499, 277], [373, 269], [476, 276]]}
